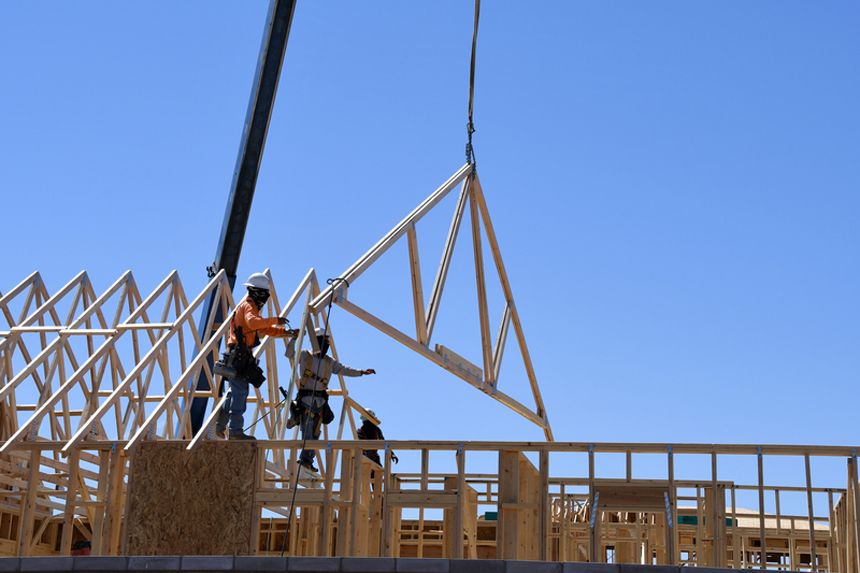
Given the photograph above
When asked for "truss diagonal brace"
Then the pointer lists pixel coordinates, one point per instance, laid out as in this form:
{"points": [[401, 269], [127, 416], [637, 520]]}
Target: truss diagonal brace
{"points": [[355, 271]]}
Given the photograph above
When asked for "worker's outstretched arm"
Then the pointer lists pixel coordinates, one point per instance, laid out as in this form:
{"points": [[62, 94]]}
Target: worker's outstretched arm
{"points": [[338, 368], [266, 326]]}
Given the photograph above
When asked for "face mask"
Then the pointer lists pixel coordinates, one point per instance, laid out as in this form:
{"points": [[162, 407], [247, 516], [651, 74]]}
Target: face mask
{"points": [[259, 296], [323, 344]]}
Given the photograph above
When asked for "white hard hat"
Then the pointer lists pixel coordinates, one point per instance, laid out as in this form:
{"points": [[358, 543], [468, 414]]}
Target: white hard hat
{"points": [[363, 418], [320, 332], [259, 280]]}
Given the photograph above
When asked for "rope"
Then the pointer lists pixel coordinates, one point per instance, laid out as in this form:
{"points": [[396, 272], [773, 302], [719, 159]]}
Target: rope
{"points": [[470, 127], [307, 419]]}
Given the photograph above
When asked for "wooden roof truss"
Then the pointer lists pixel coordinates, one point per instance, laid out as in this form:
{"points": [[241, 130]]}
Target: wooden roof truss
{"points": [[484, 378], [76, 366]]}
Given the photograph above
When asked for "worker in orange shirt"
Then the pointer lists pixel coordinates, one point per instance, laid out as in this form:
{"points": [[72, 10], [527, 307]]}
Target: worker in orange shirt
{"points": [[253, 325]]}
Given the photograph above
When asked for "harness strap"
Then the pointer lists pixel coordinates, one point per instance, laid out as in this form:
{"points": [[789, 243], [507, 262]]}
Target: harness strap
{"points": [[304, 392], [308, 374]]}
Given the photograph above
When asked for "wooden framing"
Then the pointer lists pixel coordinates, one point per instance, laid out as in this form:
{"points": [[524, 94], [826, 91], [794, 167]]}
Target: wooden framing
{"points": [[487, 377], [362, 510], [77, 369], [631, 526], [86, 379], [76, 386]]}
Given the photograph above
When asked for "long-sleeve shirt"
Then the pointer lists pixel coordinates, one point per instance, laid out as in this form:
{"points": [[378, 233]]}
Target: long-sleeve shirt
{"points": [[248, 317], [311, 370], [369, 431]]}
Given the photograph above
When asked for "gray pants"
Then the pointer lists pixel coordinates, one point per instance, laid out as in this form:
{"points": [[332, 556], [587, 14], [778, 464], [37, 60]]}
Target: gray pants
{"points": [[310, 423]]}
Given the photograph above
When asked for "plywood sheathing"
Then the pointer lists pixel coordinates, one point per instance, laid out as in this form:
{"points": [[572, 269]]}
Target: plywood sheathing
{"points": [[198, 504]]}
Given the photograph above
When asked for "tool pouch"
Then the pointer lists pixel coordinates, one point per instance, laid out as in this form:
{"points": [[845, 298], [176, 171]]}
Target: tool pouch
{"points": [[244, 362], [327, 414], [253, 374], [225, 367]]}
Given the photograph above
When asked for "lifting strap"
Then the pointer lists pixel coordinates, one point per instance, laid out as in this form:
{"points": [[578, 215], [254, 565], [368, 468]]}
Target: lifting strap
{"points": [[470, 127]]}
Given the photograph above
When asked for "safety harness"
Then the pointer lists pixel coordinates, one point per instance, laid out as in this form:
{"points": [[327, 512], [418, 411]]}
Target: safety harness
{"points": [[310, 375], [323, 415]]}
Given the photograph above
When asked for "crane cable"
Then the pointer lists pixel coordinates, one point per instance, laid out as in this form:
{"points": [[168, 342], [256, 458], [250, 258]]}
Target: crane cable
{"points": [[470, 127], [470, 158]]}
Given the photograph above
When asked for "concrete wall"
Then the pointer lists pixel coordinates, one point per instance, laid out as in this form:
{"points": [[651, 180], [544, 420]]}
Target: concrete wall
{"points": [[194, 564]]}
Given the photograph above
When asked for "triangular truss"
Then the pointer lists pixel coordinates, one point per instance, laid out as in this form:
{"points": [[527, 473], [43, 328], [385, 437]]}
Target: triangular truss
{"points": [[88, 363], [485, 379], [76, 367]]}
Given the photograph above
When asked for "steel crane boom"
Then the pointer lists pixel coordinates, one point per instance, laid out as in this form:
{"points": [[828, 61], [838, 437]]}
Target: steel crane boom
{"points": [[263, 90]]}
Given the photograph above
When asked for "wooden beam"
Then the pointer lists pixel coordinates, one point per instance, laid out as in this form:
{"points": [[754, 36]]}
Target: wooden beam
{"points": [[417, 288], [28, 506], [355, 271], [114, 504], [447, 253], [594, 555], [462, 500], [325, 520], [387, 510], [737, 556], [834, 556], [101, 492], [672, 512], [544, 514], [480, 280], [71, 494], [718, 502], [462, 367], [417, 499], [501, 338], [812, 557], [405, 340], [508, 515], [762, 544], [356, 499], [853, 477]]}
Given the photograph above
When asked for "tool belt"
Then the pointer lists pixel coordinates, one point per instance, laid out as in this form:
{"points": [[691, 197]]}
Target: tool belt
{"points": [[316, 394], [239, 363], [306, 400]]}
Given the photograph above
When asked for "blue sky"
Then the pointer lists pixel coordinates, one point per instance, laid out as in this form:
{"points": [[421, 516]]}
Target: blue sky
{"points": [[674, 187]]}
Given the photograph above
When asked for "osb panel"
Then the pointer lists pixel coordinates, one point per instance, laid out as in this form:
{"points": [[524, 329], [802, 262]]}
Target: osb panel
{"points": [[197, 504]]}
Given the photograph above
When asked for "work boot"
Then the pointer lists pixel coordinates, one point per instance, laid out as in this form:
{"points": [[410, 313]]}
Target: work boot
{"points": [[309, 466], [240, 436], [221, 434]]}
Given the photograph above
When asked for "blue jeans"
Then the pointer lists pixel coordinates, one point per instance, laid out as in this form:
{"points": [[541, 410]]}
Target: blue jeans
{"points": [[234, 407]]}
